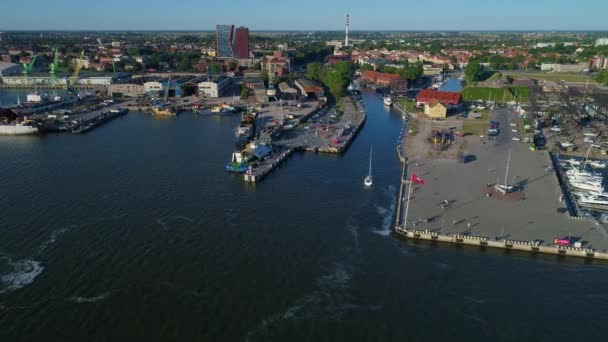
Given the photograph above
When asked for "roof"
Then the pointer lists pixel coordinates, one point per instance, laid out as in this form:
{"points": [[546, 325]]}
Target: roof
{"points": [[308, 85], [285, 88], [445, 97], [434, 103], [6, 65]]}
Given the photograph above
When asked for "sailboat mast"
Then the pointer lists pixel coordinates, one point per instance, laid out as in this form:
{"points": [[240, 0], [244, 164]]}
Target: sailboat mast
{"points": [[370, 161], [507, 171]]}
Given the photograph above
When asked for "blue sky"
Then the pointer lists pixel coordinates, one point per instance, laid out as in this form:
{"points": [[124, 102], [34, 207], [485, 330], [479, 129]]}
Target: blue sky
{"points": [[305, 15]]}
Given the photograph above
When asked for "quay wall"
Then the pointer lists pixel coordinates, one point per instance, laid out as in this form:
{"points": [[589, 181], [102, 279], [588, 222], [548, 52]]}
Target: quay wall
{"points": [[480, 241]]}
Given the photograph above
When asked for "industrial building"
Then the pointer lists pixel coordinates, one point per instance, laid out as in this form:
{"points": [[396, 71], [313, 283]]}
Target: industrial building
{"points": [[215, 87], [309, 88], [435, 110], [579, 67], [7, 69], [103, 80]]}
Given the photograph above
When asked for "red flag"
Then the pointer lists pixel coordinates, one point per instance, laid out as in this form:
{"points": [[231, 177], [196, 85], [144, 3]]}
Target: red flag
{"points": [[417, 179]]}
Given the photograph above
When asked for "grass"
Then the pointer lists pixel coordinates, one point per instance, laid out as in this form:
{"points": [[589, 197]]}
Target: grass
{"points": [[409, 105], [413, 127], [500, 95], [552, 76], [476, 127]]}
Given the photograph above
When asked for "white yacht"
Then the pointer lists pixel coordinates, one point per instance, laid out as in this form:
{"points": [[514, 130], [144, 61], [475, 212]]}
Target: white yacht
{"points": [[588, 185], [369, 180], [388, 100], [596, 164]]}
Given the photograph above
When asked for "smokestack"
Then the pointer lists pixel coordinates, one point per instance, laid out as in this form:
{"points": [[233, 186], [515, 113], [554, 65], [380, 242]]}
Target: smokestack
{"points": [[346, 38]]}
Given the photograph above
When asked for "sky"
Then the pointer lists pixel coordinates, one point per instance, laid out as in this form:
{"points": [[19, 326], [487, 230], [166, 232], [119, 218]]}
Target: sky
{"points": [[260, 15]]}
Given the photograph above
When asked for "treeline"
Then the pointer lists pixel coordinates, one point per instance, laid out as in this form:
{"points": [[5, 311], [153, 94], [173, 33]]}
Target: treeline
{"points": [[602, 77], [410, 71], [314, 52]]}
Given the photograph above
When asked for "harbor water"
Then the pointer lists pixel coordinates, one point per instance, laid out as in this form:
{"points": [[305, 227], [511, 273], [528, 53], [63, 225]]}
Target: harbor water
{"points": [[134, 232]]}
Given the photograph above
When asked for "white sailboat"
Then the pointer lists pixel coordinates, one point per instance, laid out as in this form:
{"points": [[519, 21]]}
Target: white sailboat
{"points": [[369, 180]]}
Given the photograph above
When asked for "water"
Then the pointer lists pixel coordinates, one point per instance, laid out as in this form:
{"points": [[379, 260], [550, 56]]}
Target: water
{"points": [[134, 231], [452, 84]]}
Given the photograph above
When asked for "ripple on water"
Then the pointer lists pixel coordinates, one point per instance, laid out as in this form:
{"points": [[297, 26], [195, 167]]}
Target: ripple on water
{"points": [[23, 273]]}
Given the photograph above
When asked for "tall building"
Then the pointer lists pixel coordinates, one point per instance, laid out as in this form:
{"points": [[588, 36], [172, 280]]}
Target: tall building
{"points": [[224, 41], [241, 42]]}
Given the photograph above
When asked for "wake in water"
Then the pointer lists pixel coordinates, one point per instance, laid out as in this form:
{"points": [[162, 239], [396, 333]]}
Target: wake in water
{"points": [[387, 212], [330, 300], [24, 272], [165, 221], [81, 300]]}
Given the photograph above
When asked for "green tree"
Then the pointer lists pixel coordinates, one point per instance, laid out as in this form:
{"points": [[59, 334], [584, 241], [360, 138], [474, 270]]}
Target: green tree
{"points": [[244, 93], [334, 81], [472, 72], [602, 77], [265, 77], [313, 71]]}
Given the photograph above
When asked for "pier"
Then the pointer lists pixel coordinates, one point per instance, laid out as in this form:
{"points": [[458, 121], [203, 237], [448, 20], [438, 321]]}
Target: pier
{"points": [[312, 129]]}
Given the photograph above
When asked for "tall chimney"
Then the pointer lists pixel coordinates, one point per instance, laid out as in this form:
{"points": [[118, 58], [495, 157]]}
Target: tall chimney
{"points": [[346, 38]]}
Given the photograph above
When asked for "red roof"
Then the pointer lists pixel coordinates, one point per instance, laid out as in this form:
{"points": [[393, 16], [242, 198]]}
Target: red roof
{"points": [[445, 97]]}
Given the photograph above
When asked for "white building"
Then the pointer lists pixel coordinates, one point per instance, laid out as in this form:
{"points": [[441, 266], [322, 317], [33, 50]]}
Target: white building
{"points": [[580, 67], [601, 41], [214, 88], [153, 86]]}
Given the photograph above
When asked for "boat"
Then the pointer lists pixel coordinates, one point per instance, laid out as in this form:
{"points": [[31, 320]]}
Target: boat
{"points": [[388, 100], [597, 164], [18, 128], [588, 185], [594, 200], [238, 163], [163, 111], [369, 180]]}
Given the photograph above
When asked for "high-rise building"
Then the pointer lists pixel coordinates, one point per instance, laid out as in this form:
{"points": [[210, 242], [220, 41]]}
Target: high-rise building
{"points": [[241, 42], [224, 41]]}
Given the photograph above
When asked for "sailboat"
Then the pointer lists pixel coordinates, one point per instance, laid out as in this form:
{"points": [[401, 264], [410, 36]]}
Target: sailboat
{"points": [[369, 180]]}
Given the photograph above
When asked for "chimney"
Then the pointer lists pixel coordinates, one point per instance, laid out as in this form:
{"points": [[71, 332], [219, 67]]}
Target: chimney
{"points": [[346, 38]]}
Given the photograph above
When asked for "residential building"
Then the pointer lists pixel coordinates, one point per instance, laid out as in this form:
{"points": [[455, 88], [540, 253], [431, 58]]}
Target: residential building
{"points": [[383, 79], [214, 87], [601, 41], [276, 65], [598, 63], [224, 41], [435, 110], [241, 42], [446, 98]]}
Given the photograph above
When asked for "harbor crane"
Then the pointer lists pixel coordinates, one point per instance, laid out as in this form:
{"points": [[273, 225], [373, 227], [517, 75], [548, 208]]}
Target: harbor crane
{"points": [[53, 67], [27, 69], [72, 81]]}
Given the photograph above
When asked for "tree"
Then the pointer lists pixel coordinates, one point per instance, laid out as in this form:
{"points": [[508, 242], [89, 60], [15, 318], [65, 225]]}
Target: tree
{"points": [[602, 77], [472, 72], [244, 93], [313, 71], [232, 66], [333, 80], [264, 76]]}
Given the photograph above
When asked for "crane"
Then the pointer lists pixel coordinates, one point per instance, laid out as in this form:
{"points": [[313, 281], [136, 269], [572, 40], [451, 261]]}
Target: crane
{"points": [[53, 67], [27, 69], [72, 80], [77, 69]]}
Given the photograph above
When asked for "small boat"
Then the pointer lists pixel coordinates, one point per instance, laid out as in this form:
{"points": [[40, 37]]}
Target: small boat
{"points": [[369, 180], [388, 101]]}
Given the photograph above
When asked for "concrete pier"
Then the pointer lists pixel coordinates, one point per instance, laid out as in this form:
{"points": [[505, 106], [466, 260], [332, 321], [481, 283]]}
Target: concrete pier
{"points": [[267, 165]]}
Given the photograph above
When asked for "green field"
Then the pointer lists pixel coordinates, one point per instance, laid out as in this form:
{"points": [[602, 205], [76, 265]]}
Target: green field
{"points": [[551, 76], [500, 95]]}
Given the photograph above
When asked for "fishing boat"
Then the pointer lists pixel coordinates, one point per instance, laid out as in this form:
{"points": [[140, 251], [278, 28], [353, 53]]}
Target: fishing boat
{"points": [[369, 180]]}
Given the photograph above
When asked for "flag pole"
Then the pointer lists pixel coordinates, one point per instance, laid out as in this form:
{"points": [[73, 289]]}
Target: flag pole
{"points": [[407, 206]]}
